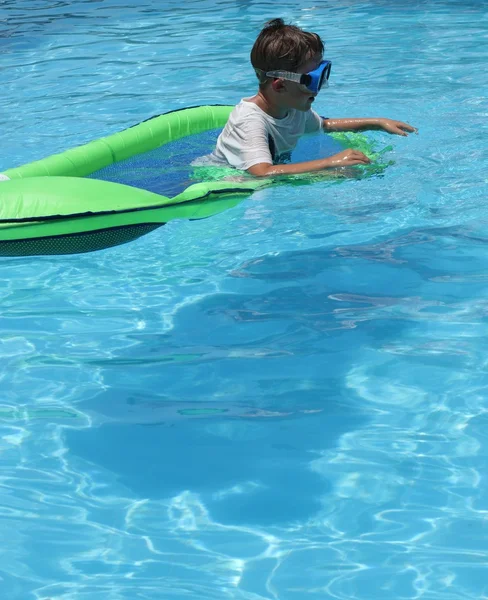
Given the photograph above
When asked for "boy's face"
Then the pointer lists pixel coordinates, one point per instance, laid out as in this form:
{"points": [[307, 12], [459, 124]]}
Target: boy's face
{"points": [[298, 96]]}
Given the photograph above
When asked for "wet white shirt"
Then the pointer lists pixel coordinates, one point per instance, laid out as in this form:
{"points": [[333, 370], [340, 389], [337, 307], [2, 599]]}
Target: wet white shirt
{"points": [[250, 135]]}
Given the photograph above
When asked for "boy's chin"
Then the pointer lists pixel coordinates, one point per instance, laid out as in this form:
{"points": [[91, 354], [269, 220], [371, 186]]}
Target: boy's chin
{"points": [[308, 102], [306, 105], [303, 104]]}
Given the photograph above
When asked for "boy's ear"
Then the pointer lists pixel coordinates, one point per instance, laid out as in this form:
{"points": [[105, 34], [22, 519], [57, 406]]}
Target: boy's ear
{"points": [[278, 85]]}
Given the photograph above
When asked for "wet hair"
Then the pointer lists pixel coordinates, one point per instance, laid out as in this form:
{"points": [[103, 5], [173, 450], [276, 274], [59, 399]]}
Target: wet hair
{"points": [[281, 47]]}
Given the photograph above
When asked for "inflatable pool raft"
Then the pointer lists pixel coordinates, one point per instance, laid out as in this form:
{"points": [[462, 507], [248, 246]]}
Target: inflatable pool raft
{"points": [[59, 205]]}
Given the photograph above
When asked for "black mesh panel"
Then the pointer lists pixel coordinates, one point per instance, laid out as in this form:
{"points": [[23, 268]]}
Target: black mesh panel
{"points": [[76, 242]]}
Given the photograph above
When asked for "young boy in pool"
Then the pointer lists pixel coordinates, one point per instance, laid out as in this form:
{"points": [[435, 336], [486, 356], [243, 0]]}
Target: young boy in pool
{"points": [[263, 130]]}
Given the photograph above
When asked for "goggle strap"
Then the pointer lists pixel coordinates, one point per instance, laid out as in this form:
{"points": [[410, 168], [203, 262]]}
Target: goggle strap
{"points": [[297, 77]]}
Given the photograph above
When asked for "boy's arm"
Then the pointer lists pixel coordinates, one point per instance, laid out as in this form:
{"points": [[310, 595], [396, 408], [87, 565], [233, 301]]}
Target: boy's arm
{"points": [[345, 158], [388, 125]]}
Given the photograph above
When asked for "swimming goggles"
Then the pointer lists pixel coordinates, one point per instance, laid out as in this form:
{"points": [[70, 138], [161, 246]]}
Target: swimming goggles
{"points": [[313, 80]]}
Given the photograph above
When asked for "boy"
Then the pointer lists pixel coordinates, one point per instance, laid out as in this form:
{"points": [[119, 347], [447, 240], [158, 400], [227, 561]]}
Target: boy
{"points": [[262, 130]]}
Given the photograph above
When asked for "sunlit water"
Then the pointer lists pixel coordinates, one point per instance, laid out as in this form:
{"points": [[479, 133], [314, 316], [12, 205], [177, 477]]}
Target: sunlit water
{"points": [[287, 400]]}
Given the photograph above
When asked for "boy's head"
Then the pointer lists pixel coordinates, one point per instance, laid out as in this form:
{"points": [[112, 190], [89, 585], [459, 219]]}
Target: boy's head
{"points": [[285, 49], [281, 47]]}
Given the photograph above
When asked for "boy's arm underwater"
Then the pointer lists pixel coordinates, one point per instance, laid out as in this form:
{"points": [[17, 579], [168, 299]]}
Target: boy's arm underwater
{"points": [[389, 125]]}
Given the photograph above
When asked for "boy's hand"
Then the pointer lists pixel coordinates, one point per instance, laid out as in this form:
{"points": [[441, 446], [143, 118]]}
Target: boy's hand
{"points": [[346, 158], [396, 127]]}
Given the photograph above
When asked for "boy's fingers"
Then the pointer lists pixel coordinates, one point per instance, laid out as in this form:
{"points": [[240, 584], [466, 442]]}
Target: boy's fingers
{"points": [[362, 157], [408, 127], [399, 130]]}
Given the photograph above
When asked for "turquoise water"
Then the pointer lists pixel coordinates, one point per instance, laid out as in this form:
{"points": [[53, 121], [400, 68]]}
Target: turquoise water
{"points": [[287, 400]]}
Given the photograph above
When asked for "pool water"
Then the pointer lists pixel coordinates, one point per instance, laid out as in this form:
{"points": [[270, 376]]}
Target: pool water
{"points": [[287, 400]]}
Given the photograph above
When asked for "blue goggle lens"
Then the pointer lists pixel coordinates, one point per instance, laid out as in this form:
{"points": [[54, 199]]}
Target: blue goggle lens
{"points": [[315, 79]]}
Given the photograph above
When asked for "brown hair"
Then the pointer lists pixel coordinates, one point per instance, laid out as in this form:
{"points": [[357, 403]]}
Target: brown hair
{"points": [[283, 47]]}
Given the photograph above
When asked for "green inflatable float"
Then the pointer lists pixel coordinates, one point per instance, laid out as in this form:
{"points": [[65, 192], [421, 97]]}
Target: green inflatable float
{"points": [[57, 205]]}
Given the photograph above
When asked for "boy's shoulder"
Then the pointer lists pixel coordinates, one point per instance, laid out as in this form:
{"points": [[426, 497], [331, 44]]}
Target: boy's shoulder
{"points": [[247, 110], [247, 115], [247, 107]]}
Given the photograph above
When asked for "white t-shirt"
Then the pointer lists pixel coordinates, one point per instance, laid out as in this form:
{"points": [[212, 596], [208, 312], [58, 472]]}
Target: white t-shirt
{"points": [[251, 135]]}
